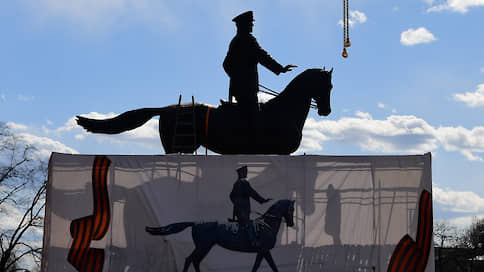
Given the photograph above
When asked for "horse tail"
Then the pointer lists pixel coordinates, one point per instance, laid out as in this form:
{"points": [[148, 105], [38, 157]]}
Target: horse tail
{"points": [[123, 122], [169, 229]]}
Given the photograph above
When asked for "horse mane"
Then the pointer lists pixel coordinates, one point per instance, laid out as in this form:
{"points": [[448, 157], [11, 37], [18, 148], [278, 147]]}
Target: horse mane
{"points": [[307, 75], [277, 205]]}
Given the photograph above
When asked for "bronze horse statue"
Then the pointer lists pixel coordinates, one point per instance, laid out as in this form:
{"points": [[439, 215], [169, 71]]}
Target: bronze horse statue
{"points": [[228, 235], [226, 129]]}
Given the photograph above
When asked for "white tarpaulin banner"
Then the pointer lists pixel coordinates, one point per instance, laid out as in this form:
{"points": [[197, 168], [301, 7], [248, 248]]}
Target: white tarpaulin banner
{"points": [[352, 213]]}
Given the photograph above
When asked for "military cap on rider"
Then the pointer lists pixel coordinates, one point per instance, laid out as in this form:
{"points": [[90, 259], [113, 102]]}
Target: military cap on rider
{"points": [[245, 17], [242, 170]]}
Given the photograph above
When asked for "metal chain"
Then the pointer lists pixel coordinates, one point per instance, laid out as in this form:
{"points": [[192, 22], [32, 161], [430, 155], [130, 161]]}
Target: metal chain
{"points": [[346, 31], [344, 22], [347, 23]]}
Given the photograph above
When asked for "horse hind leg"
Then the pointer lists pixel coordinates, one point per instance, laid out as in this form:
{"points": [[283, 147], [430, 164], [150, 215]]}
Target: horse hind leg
{"points": [[196, 258], [188, 261], [166, 130], [270, 261], [191, 259], [175, 143]]}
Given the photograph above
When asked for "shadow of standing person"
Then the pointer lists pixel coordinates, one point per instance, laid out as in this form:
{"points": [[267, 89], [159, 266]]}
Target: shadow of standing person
{"points": [[332, 224]]}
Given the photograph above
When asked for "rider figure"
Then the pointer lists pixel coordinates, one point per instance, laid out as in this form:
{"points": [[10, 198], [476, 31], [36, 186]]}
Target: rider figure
{"points": [[240, 64], [240, 197]]}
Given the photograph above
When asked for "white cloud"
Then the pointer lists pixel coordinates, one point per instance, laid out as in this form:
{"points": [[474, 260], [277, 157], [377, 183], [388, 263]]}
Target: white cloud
{"points": [[312, 141], [15, 126], [10, 216], [263, 97], [45, 146], [461, 222], [363, 115], [385, 106], [461, 6], [472, 99], [397, 133], [406, 134], [482, 70], [25, 98], [3, 97], [416, 36], [458, 201], [146, 135], [467, 142], [94, 15], [356, 17], [464, 222]]}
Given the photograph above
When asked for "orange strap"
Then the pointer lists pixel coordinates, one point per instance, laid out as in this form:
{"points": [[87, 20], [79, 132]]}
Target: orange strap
{"points": [[206, 122]]}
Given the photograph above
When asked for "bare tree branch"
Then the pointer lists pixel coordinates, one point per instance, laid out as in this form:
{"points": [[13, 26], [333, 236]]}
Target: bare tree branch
{"points": [[12, 192], [23, 183]]}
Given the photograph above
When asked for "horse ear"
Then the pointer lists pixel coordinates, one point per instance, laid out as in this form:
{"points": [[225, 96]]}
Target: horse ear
{"points": [[331, 71], [324, 68]]}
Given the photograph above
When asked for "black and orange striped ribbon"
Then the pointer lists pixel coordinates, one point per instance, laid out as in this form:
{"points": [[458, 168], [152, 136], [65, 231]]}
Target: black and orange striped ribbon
{"points": [[410, 255], [92, 227]]}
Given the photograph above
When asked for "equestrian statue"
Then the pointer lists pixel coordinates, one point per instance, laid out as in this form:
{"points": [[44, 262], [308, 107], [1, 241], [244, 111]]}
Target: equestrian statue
{"points": [[244, 127]]}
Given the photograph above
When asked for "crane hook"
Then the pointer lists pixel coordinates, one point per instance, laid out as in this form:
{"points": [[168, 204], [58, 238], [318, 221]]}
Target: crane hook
{"points": [[345, 54]]}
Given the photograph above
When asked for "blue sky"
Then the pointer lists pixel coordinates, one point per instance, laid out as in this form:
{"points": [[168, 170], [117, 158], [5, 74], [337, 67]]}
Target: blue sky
{"points": [[413, 82]]}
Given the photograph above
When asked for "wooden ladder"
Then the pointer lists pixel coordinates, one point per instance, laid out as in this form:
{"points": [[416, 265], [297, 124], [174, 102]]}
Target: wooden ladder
{"points": [[185, 137]]}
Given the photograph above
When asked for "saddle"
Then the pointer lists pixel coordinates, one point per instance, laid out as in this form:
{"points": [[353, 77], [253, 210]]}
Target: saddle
{"points": [[224, 102], [232, 105], [232, 220]]}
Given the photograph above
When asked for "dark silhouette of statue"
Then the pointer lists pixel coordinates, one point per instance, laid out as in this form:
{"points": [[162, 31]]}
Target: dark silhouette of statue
{"points": [[240, 197], [225, 129], [241, 61], [274, 128]]}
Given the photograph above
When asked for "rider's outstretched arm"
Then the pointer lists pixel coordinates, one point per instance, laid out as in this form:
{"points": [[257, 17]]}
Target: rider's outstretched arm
{"points": [[255, 195], [264, 58]]}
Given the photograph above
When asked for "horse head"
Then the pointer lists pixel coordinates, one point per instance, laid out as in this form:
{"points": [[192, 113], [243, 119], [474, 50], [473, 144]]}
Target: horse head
{"points": [[282, 209], [321, 90]]}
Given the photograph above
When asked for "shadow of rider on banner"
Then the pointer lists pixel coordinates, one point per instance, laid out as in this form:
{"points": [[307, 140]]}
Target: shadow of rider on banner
{"points": [[240, 197], [240, 64]]}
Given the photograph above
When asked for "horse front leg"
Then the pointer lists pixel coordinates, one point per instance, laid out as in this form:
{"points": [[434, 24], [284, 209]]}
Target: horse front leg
{"points": [[258, 260], [269, 260]]}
